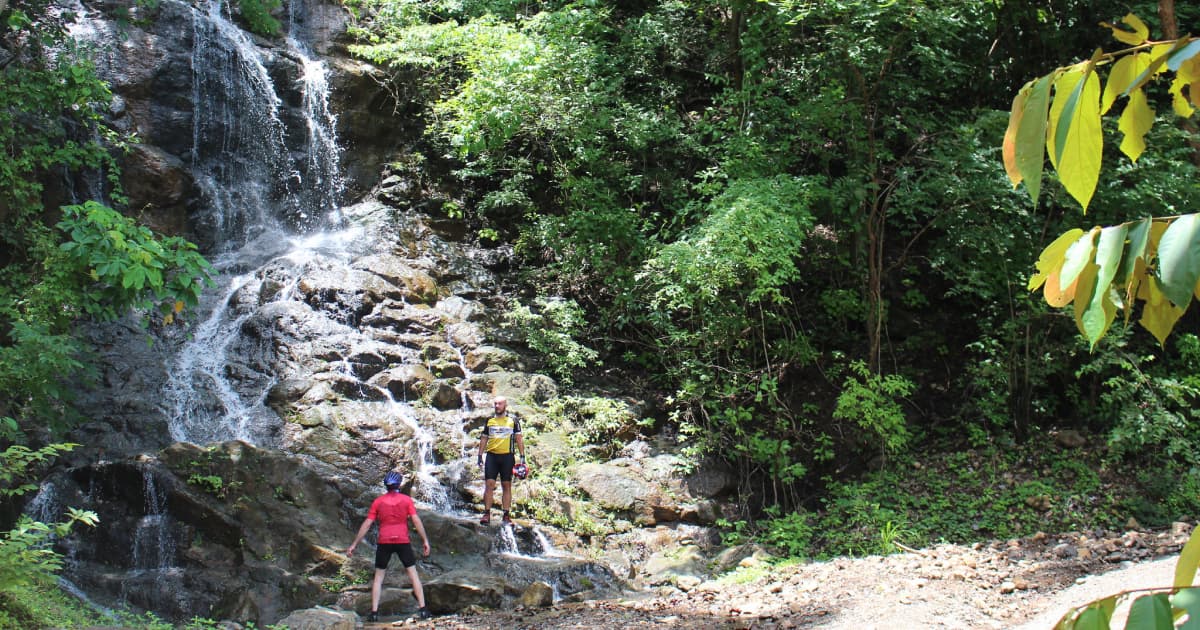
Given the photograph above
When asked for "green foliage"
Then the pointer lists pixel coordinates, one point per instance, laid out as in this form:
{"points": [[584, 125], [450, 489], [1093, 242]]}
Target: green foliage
{"points": [[593, 421], [214, 484], [18, 463], [257, 14], [98, 264], [27, 560], [551, 331], [130, 267], [957, 497], [792, 534], [872, 401]]}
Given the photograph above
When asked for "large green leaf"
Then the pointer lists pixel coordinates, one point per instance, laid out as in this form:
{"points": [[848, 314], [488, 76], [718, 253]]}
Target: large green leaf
{"points": [[1179, 259], [1088, 320], [1078, 139], [1031, 136], [1094, 617], [1188, 599], [1101, 311], [1150, 612]]}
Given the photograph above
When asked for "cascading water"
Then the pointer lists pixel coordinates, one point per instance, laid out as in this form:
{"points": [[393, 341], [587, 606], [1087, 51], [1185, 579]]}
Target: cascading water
{"points": [[258, 197], [154, 549]]}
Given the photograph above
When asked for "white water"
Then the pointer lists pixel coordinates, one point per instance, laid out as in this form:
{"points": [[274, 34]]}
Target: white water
{"points": [[259, 206]]}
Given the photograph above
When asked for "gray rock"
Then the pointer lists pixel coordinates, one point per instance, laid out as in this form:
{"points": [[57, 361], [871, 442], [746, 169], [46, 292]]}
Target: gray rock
{"points": [[320, 619]]}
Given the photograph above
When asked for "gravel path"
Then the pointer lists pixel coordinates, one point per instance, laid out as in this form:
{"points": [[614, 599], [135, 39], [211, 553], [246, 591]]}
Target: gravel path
{"points": [[1025, 584]]}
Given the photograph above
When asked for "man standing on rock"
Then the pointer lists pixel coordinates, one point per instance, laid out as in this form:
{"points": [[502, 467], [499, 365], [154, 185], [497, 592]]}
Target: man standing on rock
{"points": [[500, 441], [393, 509]]}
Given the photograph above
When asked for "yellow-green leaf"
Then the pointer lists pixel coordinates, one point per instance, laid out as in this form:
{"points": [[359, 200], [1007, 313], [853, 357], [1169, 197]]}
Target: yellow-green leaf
{"points": [[1078, 256], [1133, 285], [1134, 123], [1078, 140], [1009, 150], [1087, 320], [1123, 72], [1052, 257], [1189, 559], [1031, 136], [1138, 236], [1136, 36], [1159, 55], [1179, 259], [1183, 108], [1100, 311], [1158, 314]]}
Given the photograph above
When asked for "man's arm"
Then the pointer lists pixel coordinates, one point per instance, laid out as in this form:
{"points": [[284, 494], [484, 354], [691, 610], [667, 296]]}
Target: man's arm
{"points": [[482, 445], [420, 527], [520, 444], [362, 531]]}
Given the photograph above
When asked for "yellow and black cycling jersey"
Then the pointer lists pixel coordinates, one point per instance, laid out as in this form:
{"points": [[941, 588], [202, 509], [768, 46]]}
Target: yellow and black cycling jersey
{"points": [[499, 432]]}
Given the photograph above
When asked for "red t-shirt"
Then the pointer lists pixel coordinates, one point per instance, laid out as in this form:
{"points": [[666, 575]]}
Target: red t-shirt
{"points": [[391, 511]]}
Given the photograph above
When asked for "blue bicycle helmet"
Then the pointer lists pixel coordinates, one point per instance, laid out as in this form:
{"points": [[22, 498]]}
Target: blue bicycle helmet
{"points": [[393, 479]]}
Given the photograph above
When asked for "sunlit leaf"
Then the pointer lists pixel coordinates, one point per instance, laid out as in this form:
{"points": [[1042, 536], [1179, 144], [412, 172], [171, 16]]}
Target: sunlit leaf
{"points": [[1031, 136], [1100, 311], [1158, 314], [1078, 256], [1158, 62], [1089, 321], [1133, 37], [1133, 285], [1078, 139], [1150, 612], [1055, 296], [1189, 559], [1123, 72], [1184, 54], [1135, 121], [1052, 257], [1010, 135], [1138, 236], [1179, 259]]}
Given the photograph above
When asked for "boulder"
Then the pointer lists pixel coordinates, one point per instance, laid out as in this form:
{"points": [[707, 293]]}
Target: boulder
{"points": [[320, 618], [538, 595], [457, 590]]}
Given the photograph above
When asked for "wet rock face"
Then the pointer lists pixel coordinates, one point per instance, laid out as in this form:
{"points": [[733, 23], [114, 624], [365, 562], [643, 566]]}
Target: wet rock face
{"points": [[155, 98]]}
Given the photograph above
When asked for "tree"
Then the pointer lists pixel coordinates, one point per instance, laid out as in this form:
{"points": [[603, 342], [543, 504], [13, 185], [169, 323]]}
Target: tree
{"points": [[1152, 260]]}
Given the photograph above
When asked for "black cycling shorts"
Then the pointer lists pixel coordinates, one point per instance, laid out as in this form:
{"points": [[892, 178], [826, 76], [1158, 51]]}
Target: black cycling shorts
{"points": [[383, 554], [499, 465]]}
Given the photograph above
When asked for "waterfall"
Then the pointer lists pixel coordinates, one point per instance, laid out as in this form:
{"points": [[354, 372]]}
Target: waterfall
{"points": [[154, 572], [261, 195]]}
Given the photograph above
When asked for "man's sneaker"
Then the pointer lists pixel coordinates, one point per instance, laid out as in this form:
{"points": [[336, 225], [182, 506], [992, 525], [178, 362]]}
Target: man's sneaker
{"points": [[373, 616], [507, 520], [487, 518], [423, 613]]}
